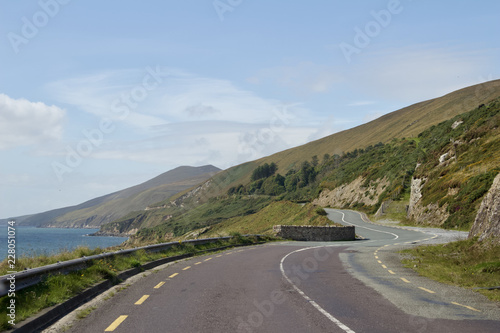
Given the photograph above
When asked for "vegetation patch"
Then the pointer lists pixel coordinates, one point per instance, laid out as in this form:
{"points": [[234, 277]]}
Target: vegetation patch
{"points": [[465, 263]]}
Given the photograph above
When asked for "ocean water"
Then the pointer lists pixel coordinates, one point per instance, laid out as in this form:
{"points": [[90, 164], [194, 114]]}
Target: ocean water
{"points": [[32, 241]]}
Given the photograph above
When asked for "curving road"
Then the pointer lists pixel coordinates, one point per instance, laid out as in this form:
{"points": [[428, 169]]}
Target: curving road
{"points": [[297, 287]]}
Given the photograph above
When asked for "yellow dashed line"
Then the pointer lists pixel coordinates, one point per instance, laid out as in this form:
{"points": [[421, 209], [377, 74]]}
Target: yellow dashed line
{"points": [[466, 306], [429, 291], [405, 280], [173, 275], [199, 262], [228, 253], [208, 259], [115, 324], [384, 266], [376, 257], [391, 271], [379, 261], [186, 268], [220, 255], [159, 285], [141, 300]]}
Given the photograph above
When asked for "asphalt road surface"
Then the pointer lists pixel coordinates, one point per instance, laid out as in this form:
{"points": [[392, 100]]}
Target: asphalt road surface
{"points": [[288, 287]]}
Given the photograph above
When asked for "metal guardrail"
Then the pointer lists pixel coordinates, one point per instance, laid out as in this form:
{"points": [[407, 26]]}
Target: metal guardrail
{"points": [[30, 277]]}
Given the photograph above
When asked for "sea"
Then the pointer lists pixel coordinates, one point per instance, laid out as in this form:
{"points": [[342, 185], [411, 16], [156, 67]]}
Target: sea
{"points": [[32, 241]]}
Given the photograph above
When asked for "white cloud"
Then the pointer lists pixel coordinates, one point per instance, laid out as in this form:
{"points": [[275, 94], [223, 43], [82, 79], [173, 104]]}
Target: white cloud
{"points": [[25, 123]]}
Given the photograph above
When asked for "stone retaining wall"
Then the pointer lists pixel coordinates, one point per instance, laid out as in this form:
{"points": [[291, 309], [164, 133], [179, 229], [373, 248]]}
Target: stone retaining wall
{"points": [[312, 233]]}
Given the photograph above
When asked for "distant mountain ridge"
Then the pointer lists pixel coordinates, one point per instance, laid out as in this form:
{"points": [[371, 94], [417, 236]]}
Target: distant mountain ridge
{"points": [[95, 212]]}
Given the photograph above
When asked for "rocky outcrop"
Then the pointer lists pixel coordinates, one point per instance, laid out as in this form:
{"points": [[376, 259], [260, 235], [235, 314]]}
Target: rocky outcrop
{"points": [[487, 222], [430, 214], [352, 193]]}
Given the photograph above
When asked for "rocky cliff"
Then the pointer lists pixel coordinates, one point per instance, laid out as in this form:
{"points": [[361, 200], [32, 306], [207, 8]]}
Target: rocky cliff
{"points": [[430, 214], [487, 222], [348, 195]]}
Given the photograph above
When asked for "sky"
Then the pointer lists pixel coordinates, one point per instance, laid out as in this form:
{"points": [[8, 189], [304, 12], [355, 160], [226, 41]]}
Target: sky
{"points": [[97, 96]]}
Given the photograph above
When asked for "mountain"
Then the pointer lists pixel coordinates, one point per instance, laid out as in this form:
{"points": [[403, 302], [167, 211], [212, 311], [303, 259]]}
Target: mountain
{"points": [[367, 167], [104, 209]]}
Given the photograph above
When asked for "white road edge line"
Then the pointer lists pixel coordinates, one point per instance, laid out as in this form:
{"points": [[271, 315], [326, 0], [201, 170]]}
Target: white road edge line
{"points": [[385, 232], [307, 298]]}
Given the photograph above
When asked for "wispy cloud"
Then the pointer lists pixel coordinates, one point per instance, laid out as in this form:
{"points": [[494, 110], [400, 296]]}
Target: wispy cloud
{"points": [[412, 74], [303, 77], [361, 103]]}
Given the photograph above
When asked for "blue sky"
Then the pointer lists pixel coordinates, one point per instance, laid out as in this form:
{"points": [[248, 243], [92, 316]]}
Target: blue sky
{"points": [[96, 96]]}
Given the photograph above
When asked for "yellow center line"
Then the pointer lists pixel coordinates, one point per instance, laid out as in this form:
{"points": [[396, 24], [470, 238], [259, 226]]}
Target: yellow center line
{"points": [[208, 259], [391, 271], [405, 280], [173, 275], [186, 268], [379, 261], [429, 291], [115, 324], [384, 266], [376, 257], [199, 262], [141, 300], [159, 285], [220, 255], [228, 253], [466, 306]]}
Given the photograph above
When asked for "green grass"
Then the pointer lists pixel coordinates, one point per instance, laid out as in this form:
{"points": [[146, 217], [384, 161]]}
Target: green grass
{"points": [[58, 288], [262, 222], [465, 263]]}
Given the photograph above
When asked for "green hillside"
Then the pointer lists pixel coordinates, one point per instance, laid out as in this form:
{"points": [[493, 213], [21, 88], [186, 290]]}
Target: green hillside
{"points": [[385, 168]]}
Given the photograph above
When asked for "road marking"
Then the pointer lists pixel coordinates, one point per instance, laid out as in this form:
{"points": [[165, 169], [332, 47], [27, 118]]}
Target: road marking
{"points": [[384, 266], [199, 262], [228, 253], [208, 259], [220, 255], [391, 271], [307, 298], [376, 257], [429, 291], [379, 261], [466, 306], [173, 275], [385, 232], [186, 268], [115, 324], [141, 300], [159, 285], [405, 280]]}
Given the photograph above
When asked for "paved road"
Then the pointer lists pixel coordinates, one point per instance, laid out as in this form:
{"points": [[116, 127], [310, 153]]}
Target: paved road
{"points": [[297, 287]]}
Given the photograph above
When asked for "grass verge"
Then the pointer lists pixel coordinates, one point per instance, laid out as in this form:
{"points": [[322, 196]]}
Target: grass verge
{"points": [[58, 288], [466, 263]]}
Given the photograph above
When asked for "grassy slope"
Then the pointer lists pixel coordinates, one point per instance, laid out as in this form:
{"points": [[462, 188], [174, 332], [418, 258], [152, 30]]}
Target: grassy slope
{"points": [[464, 263], [262, 222]]}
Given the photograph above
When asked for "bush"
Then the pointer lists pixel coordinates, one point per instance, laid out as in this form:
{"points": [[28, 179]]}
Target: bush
{"points": [[320, 211]]}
